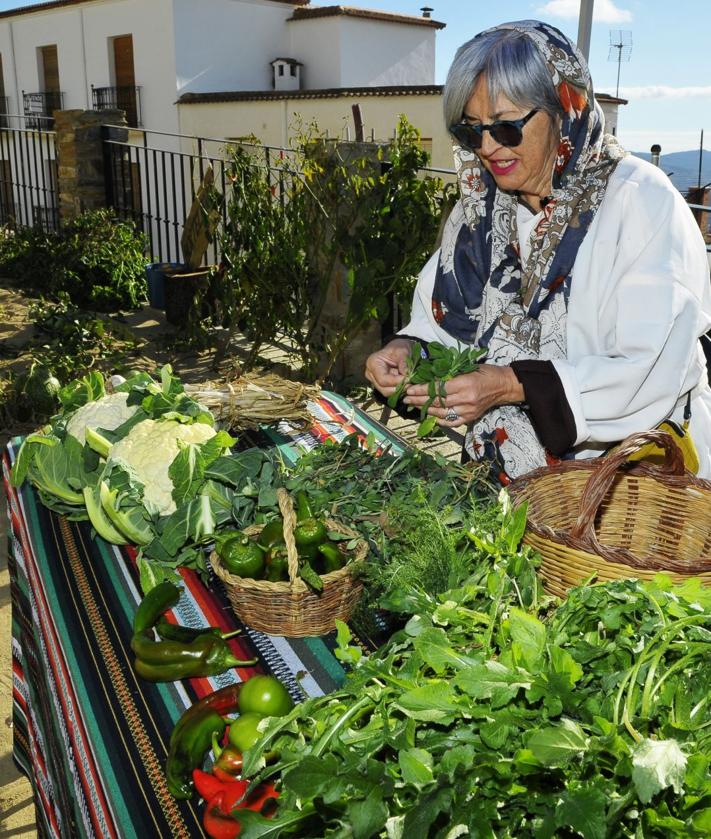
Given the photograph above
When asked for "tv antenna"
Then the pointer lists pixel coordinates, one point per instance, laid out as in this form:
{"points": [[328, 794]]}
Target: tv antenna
{"points": [[620, 50]]}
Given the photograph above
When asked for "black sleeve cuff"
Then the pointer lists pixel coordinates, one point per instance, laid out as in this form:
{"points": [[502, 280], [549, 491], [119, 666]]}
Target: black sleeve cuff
{"points": [[548, 407]]}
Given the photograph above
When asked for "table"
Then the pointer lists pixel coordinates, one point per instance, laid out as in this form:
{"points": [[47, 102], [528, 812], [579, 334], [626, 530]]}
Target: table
{"points": [[90, 735]]}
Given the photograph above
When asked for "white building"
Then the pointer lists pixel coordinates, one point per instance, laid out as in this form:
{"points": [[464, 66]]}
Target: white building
{"points": [[145, 55]]}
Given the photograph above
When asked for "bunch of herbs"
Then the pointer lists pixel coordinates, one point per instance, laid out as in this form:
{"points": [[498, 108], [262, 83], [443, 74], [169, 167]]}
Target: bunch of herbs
{"points": [[435, 367]]}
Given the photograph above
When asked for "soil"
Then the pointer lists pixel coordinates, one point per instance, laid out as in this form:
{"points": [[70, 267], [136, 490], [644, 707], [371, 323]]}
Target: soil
{"points": [[156, 346]]}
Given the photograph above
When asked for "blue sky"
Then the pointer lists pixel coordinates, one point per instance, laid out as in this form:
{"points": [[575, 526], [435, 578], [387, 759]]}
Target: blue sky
{"points": [[668, 77]]}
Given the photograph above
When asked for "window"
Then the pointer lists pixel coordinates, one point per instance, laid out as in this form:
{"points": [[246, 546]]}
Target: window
{"points": [[49, 66], [292, 70], [281, 69]]}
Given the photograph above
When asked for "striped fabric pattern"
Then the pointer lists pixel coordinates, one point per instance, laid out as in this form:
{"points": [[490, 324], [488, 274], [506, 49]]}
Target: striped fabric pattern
{"points": [[91, 736]]}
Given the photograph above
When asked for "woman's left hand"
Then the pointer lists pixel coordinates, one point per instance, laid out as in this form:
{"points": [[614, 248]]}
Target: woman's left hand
{"points": [[469, 395]]}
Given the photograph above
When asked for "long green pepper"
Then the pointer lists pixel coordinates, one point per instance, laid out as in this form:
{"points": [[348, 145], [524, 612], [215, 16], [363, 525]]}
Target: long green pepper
{"points": [[207, 654]]}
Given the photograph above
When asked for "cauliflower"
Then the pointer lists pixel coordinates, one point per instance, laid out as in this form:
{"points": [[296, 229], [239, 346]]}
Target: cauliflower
{"points": [[147, 451], [108, 412]]}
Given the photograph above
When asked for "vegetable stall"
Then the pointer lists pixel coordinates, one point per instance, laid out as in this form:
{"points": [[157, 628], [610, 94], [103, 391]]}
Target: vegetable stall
{"points": [[454, 696]]}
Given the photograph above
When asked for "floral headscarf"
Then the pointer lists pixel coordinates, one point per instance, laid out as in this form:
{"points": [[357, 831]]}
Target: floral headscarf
{"points": [[483, 294]]}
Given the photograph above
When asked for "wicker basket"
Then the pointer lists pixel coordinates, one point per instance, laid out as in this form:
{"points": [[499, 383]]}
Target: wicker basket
{"points": [[292, 608], [600, 516]]}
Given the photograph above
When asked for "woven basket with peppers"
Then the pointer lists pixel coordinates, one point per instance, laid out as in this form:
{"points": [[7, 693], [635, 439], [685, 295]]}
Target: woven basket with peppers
{"points": [[309, 580]]}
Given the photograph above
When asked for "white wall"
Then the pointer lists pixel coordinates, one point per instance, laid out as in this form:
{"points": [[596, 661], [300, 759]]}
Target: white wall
{"points": [[82, 34], [377, 53], [345, 51], [317, 44], [150, 26], [228, 44]]}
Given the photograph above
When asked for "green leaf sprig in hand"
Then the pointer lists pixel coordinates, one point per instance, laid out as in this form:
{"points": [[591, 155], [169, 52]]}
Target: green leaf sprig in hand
{"points": [[435, 369]]}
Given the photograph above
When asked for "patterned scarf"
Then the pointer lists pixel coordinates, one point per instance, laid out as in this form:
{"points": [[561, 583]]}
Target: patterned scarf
{"points": [[482, 293]]}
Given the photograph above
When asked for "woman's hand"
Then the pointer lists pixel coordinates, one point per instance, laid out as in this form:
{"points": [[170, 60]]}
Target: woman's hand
{"points": [[470, 395], [386, 368]]}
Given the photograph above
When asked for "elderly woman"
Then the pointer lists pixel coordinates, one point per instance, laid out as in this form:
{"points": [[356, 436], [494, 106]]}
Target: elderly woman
{"points": [[578, 268]]}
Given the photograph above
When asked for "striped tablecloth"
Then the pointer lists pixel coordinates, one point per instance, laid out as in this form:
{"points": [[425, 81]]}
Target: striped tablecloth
{"points": [[88, 733]]}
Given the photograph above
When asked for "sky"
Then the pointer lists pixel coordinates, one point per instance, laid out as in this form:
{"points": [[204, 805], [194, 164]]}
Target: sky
{"points": [[667, 79]]}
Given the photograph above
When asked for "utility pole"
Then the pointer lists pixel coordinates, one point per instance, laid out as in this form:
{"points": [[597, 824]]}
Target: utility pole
{"points": [[585, 26]]}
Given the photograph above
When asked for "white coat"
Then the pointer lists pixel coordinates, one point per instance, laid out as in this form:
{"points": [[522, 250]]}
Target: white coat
{"points": [[640, 298]]}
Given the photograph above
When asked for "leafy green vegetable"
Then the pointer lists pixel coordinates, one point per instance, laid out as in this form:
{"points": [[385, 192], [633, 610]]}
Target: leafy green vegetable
{"points": [[494, 712], [435, 368]]}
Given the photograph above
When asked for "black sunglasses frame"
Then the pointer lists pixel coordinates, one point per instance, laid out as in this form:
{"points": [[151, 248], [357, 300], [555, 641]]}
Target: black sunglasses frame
{"points": [[472, 136]]}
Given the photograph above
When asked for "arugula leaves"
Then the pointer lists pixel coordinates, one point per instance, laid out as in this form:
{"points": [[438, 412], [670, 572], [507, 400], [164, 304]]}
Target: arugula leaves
{"points": [[494, 712]]}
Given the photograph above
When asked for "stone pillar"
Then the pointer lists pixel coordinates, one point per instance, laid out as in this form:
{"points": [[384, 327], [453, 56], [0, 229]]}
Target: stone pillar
{"points": [[81, 171]]}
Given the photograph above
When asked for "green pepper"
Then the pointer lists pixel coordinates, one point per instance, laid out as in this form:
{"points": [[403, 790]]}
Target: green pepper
{"points": [[223, 701], [309, 530], [277, 566], [272, 534], [158, 600], [333, 559], [172, 632], [188, 749], [166, 661], [241, 556]]}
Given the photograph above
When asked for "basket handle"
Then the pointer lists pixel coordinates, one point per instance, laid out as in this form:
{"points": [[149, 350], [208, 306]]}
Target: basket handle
{"points": [[288, 515], [605, 470]]}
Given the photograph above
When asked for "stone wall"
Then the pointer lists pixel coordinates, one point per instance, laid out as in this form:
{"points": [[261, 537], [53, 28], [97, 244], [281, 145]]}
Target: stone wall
{"points": [[80, 158]]}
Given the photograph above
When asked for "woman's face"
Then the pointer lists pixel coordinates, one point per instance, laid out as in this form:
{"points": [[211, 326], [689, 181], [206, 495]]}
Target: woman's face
{"points": [[526, 168]]}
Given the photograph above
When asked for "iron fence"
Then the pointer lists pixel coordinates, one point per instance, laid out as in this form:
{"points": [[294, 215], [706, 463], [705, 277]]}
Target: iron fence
{"points": [[152, 178], [28, 172]]}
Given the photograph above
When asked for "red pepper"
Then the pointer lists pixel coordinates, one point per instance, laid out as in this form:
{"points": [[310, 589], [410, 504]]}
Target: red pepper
{"points": [[207, 784], [259, 797], [222, 775], [217, 825]]}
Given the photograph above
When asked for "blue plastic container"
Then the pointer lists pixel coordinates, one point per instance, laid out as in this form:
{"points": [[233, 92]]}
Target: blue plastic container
{"points": [[155, 276]]}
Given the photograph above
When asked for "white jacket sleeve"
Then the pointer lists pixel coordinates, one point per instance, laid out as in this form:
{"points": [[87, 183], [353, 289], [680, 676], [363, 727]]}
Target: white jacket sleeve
{"points": [[639, 302]]}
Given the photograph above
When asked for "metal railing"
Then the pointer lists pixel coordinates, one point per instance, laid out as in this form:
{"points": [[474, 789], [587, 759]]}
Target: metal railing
{"points": [[40, 106], [154, 181], [124, 98], [28, 172]]}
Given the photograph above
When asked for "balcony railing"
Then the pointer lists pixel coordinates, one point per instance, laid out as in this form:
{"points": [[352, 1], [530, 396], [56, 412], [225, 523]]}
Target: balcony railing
{"points": [[39, 107], [127, 99]]}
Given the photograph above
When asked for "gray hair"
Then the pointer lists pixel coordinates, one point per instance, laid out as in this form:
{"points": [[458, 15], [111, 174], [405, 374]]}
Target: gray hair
{"points": [[514, 67]]}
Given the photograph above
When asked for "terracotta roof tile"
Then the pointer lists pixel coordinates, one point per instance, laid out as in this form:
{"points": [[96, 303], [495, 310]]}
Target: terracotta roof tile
{"points": [[310, 12], [323, 93]]}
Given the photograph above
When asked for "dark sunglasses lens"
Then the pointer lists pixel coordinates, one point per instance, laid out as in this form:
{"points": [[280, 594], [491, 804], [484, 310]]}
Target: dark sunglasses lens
{"points": [[467, 135], [507, 134]]}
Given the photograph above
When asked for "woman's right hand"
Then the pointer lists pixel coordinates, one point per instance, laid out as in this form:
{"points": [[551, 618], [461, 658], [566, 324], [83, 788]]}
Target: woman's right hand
{"points": [[386, 368]]}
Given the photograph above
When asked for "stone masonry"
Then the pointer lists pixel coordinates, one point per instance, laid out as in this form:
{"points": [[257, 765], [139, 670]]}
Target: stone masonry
{"points": [[80, 158]]}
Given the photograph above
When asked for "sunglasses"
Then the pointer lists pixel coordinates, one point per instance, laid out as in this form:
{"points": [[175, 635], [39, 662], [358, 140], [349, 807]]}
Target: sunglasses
{"points": [[507, 132]]}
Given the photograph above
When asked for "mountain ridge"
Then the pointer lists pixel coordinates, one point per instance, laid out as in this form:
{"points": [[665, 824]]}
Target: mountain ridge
{"points": [[683, 167]]}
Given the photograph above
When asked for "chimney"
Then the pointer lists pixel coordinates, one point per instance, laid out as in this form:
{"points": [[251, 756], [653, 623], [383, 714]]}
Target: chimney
{"points": [[656, 151], [426, 11]]}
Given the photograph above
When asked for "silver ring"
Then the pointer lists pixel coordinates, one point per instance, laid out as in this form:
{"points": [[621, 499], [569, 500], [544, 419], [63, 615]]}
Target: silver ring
{"points": [[451, 415]]}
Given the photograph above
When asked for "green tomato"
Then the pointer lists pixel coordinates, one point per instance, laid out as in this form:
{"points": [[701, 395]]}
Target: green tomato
{"points": [[265, 695], [243, 731]]}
